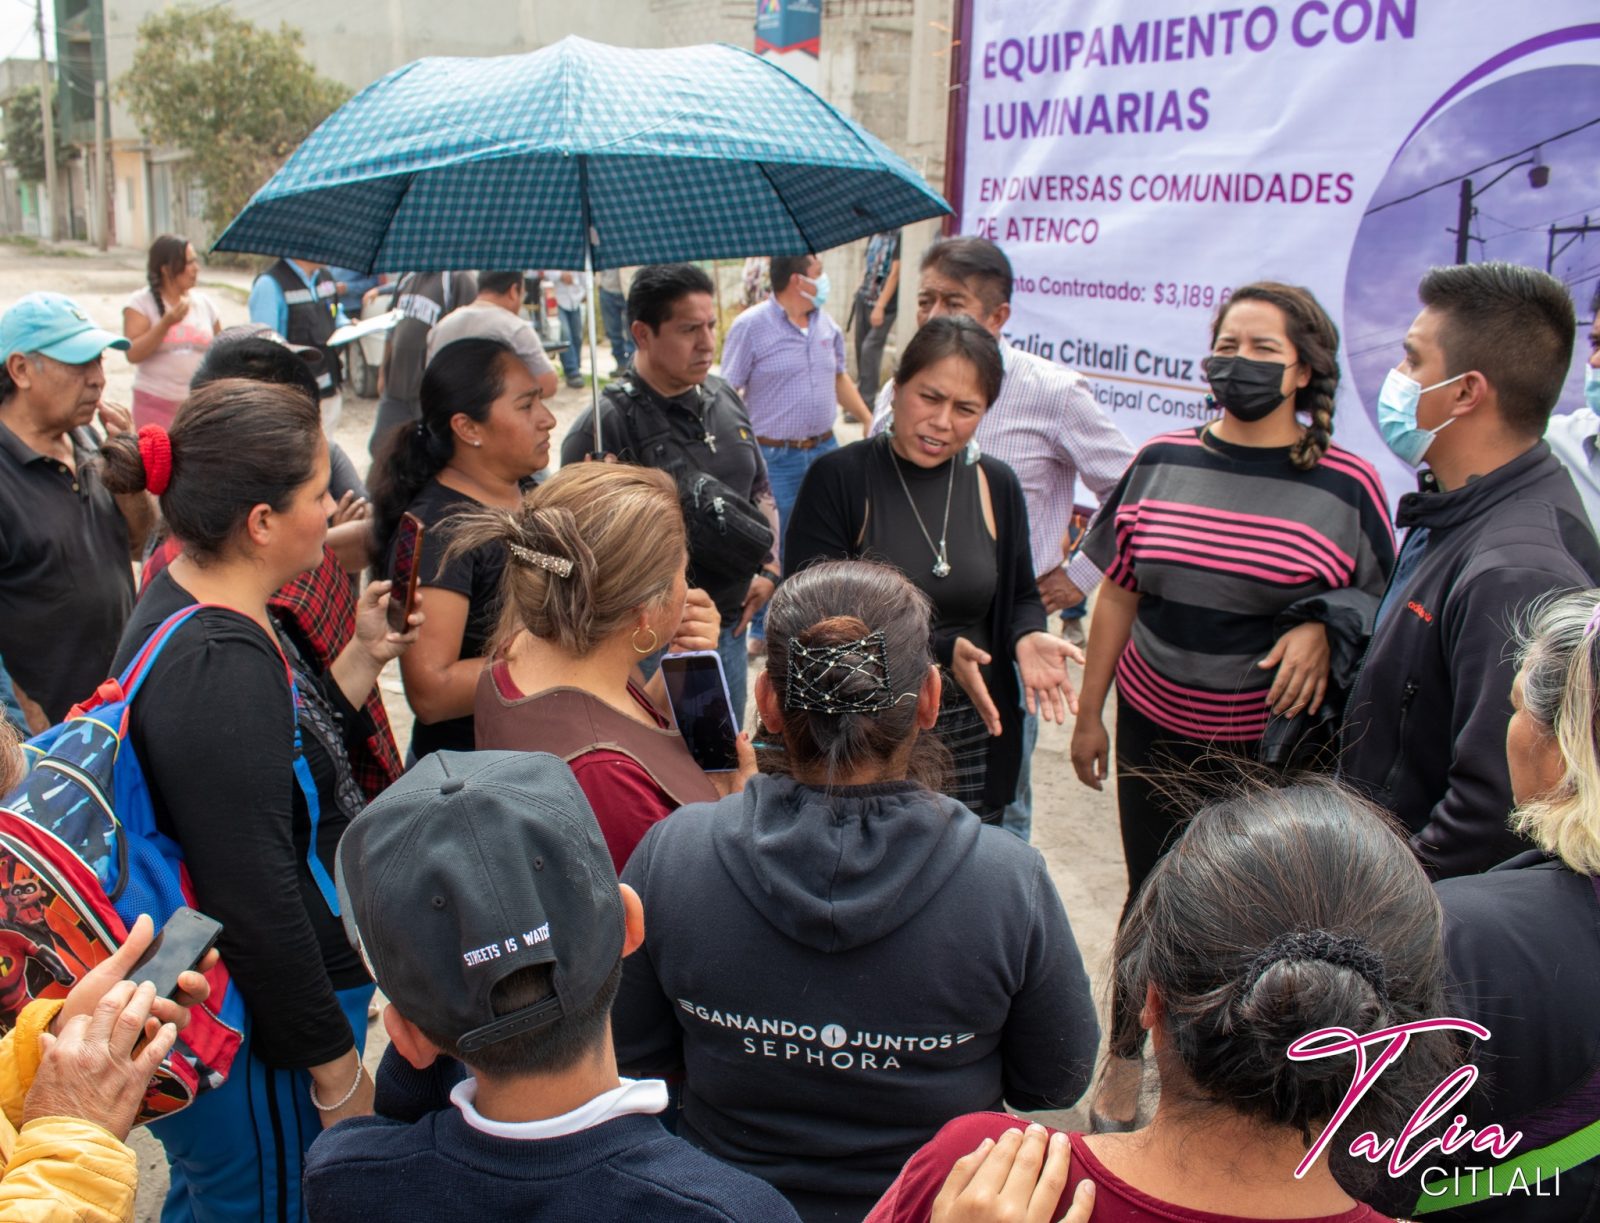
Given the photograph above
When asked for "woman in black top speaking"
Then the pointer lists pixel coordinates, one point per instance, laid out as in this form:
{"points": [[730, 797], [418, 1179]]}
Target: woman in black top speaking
{"points": [[920, 497], [243, 741]]}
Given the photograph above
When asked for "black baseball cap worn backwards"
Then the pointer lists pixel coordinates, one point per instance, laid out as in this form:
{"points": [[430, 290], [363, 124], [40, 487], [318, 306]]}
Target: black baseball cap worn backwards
{"points": [[470, 867]]}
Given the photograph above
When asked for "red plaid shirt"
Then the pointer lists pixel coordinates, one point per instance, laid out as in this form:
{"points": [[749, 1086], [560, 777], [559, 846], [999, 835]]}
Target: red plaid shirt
{"points": [[320, 605]]}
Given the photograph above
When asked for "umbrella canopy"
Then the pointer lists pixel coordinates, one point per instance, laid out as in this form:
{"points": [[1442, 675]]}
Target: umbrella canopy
{"points": [[687, 153]]}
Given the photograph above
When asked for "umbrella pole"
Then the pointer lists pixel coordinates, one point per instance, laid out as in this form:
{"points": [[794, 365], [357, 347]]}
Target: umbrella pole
{"points": [[594, 344]]}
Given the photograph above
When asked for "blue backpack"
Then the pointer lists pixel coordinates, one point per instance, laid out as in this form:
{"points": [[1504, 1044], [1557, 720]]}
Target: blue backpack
{"points": [[80, 859]]}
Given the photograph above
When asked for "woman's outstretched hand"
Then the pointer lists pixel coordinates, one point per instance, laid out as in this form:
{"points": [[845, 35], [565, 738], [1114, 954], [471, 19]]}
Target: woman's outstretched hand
{"points": [[1042, 658], [1018, 1179]]}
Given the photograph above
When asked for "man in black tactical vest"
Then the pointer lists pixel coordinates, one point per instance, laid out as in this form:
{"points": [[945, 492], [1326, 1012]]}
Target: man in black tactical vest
{"points": [[668, 411]]}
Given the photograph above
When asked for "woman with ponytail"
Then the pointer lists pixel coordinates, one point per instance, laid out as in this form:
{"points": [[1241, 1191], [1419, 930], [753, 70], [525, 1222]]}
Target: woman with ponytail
{"points": [[1278, 913], [244, 740], [594, 585], [484, 432], [1245, 557], [170, 326]]}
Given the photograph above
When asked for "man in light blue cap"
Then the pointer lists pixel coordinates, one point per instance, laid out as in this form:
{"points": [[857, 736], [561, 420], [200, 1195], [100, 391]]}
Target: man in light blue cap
{"points": [[66, 582]]}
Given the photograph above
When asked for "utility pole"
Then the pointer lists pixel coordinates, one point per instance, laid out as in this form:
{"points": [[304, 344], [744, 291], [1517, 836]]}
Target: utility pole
{"points": [[1464, 221], [47, 218], [1577, 234], [102, 192]]}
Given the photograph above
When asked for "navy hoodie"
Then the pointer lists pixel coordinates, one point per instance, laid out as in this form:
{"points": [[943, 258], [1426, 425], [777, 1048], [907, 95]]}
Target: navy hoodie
{"points": [[838, 976]]}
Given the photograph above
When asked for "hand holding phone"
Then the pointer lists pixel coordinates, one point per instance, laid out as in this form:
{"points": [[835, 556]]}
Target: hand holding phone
{"points": [[403, 591], [180, 946]]}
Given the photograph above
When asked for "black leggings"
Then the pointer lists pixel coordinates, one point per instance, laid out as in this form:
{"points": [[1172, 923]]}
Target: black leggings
{"points": [[1152, 820]]}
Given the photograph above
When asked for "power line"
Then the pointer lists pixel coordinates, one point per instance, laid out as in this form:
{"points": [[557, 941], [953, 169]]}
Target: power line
{"points": [[1479, 169], [1361, 352], [1540, 226]]}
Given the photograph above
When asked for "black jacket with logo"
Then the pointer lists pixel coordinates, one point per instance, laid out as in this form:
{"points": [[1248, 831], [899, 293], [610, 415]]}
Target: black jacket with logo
{"points": [[837, 976], [1425, 730]]}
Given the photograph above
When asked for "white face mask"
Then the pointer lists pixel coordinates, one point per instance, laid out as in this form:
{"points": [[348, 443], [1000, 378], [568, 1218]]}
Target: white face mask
{"points": [[1397, 416]]}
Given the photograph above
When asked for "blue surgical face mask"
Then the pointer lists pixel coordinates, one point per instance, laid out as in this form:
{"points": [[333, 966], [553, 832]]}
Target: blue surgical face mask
{"points": [[818, 296], [1591, 388], [1397, 416]]}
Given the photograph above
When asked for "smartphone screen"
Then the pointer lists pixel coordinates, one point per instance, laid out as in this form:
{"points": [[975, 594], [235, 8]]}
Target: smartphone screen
{"points": [[699, 697], [180, 945], [403, 594]]}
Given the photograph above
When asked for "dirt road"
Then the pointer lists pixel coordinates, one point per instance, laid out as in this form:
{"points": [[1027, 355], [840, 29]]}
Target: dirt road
{"points": [[1074, 828]]}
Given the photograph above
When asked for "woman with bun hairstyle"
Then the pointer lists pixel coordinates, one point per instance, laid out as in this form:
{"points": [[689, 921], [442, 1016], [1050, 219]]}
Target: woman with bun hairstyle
{"points": [[1244, 557], [484, 432], [250, 775], [1523, 941], [840, 958], [1276, 914], [170, 325], [594, 585]]}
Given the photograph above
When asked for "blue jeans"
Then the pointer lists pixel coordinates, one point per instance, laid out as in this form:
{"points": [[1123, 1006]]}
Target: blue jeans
{"points": [[786, 470], [1018, 815], [614, 312], [234, 1149], [735, 669], [572, 354]]}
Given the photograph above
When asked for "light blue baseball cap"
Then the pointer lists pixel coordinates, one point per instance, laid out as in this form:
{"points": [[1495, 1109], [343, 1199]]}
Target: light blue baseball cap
{"points": [[55, 326]]}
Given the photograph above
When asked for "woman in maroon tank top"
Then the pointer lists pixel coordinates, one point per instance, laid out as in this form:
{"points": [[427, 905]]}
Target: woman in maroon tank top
{"points": [[594, 585]]}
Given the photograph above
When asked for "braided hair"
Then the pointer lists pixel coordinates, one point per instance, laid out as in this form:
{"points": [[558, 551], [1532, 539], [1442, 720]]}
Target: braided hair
{"points": [[169, 253], [1316, 340]]}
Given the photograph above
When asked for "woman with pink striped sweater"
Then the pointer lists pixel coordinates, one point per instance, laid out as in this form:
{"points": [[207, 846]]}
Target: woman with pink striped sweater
{"points": [[1239, 556]]}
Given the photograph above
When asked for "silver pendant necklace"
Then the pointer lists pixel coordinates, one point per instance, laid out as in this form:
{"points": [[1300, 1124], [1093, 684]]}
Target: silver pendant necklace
{"points": [[941, 558]]}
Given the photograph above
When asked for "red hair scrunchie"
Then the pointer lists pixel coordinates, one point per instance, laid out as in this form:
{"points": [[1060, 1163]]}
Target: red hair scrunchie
{"points": [[155, 450]]}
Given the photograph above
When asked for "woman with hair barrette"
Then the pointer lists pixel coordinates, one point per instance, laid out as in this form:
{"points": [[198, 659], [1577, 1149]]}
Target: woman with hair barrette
{"points": [[840, 958]]}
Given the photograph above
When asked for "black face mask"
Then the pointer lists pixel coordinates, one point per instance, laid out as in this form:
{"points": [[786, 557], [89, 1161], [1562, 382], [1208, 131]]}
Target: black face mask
{"points": [[1248, 389]]}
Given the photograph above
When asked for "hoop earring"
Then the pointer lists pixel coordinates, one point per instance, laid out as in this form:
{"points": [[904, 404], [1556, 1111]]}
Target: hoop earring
{"points": [[644, 650]]}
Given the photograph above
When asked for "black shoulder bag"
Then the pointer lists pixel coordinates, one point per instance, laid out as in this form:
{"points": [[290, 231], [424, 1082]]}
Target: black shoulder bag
{"points": [[729, 538]]}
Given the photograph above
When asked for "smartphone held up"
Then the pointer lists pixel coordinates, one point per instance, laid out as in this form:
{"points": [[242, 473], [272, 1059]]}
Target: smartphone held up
{"points": [[698, 693], [403, 592]]}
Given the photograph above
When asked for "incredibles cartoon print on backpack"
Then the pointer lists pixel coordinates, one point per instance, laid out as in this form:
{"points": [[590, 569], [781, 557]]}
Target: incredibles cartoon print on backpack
{"points": [[80, 859]]}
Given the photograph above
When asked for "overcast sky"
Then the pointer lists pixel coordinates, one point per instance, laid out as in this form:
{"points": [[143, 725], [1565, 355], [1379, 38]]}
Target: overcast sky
{"points": [[17, 38]]}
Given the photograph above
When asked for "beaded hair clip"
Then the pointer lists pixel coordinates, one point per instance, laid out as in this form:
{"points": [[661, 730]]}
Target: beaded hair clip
{"points": [[822, 678], [557, 565]]}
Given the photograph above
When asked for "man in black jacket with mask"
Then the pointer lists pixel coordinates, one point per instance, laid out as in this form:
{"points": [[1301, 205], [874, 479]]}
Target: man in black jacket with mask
{"points": [[1496, 525]]}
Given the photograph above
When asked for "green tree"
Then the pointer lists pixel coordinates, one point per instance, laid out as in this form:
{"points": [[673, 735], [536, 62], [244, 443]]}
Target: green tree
{"points": [[237, 97], [25, 136]]}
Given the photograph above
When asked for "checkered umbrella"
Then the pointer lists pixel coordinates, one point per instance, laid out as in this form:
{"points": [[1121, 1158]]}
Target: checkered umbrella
{"points": [[688, 153]]}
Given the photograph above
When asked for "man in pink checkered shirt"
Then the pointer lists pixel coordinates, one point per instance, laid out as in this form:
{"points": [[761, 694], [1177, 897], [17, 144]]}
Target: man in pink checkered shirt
{"points": [[1045, 425]]}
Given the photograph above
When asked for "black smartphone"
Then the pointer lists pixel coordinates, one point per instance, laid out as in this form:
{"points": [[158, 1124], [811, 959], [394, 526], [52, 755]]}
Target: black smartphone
{"points": [[403, 594], [698, 692], [179, 946]]}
